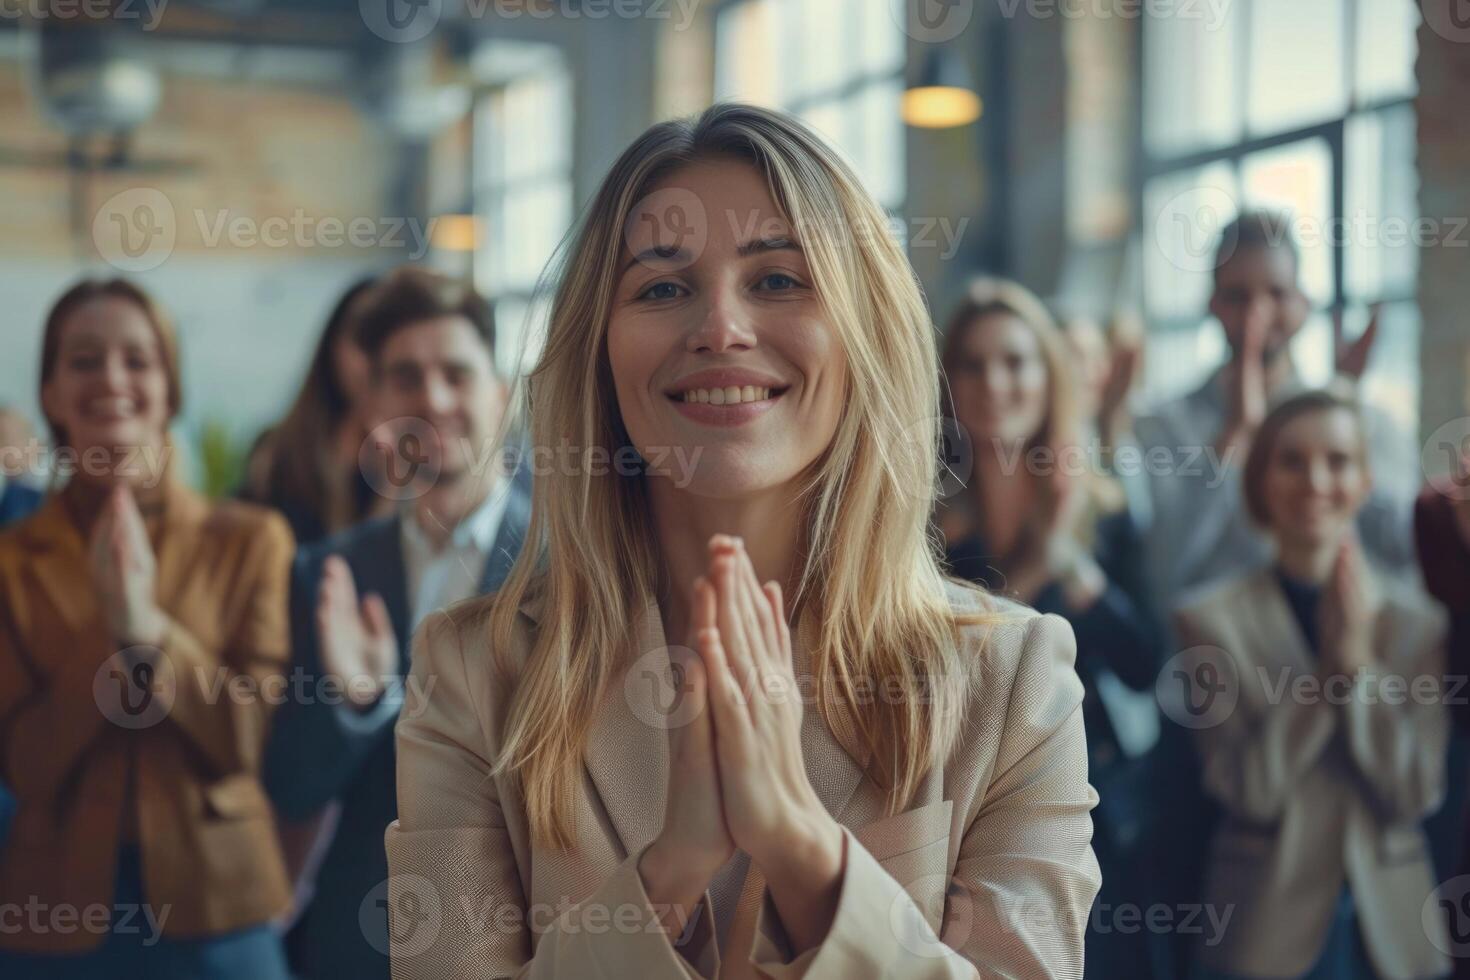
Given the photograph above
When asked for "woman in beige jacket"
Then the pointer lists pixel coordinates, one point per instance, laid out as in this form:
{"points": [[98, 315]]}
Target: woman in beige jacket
{"points": [[727, 717], [1319, 715]]}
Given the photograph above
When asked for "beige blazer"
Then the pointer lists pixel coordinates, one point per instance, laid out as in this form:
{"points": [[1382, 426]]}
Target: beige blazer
{"points": [[1319, 790], [993, 855]]}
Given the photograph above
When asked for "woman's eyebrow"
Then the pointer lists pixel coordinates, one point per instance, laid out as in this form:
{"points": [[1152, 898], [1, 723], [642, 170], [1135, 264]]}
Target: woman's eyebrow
{"points": [[659, 253], [767, 245]]}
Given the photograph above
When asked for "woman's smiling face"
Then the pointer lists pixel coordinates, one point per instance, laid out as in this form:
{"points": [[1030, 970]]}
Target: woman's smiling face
{"points": [[721, 353]]}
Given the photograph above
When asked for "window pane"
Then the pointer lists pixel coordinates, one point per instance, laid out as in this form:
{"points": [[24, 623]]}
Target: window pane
{"points": [[1297, 179], [1387, 47], [1382, 253], [880, 38], [520, 331], [1297, 71], [748, 58], [536, 217], [1178, 359], [1311, 350], [822, 66], [830, 120], [1392, 379], [1184, 214], [881, 151], [1192, 97]]}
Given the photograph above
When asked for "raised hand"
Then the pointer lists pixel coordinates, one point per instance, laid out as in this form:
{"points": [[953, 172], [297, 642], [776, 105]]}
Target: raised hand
{"points": [[356, 639], [1349, 605], [1352, 358], [1247, 391], [694, 842], [772, 810], [125, 572]]}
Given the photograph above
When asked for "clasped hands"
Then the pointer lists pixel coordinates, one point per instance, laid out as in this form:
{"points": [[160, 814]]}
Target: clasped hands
{"points": [[736, 774]]}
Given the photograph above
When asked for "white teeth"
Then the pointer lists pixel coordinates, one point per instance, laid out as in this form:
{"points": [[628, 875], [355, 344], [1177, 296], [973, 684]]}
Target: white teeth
{"points": [[727, 396]]}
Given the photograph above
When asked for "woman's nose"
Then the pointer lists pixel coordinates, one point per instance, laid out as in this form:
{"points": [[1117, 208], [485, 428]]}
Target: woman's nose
{"points": [[724, 324], [115, 373]]}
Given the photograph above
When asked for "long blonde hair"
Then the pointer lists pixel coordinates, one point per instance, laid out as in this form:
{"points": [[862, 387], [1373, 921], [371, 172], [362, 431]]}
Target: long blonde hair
{"points": [[591, 557]]}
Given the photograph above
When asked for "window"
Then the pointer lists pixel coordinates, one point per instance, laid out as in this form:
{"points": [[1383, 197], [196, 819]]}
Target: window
{"points": [[837, 64], [523, 199], [1302, 107]]}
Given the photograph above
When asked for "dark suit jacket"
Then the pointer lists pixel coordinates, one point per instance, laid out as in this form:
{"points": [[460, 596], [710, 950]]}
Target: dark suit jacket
{"points": [[17, 501], [314, 758]]}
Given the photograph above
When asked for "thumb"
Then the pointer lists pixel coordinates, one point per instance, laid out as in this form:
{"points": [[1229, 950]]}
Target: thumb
{"points": [[375, 616]]}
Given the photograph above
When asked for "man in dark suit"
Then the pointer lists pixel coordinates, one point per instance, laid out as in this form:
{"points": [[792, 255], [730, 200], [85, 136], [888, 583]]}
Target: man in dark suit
{"points": [[16, 499], [460, 524]]}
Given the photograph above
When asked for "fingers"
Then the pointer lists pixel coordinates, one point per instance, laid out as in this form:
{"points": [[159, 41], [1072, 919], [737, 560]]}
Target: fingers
{"points": [[375, 615], [772, 591]]}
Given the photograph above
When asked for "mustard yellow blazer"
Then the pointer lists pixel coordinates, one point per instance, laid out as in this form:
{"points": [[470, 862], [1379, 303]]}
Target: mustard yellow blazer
{"points": [[90, 761], [990, 870]]}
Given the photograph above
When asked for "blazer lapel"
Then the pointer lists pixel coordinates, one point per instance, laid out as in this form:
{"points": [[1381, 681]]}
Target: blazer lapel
{"points": [[627, 752], [184, 512], [829, 756], [509, 538], [1279, 637], [58, 555]]}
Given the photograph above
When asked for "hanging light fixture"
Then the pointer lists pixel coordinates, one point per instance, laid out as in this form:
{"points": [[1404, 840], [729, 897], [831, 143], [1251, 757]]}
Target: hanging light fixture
{"points": [[945, 94]]}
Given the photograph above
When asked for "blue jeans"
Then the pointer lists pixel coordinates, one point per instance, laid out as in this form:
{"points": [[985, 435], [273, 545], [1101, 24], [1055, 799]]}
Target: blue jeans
{"points": [[133, 949], [1343, 956]]}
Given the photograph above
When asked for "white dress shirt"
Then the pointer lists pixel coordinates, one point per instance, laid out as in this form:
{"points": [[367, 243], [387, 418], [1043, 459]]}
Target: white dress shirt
{"points": [[436, 578]]}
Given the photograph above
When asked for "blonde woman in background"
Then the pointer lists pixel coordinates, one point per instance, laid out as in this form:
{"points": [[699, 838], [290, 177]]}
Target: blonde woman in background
{"points": [[857, 754], [1039, 522]]}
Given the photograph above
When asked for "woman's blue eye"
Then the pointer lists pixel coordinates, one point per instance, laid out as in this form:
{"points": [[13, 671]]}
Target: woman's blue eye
{"points": [[778, 281], [661, 290]]}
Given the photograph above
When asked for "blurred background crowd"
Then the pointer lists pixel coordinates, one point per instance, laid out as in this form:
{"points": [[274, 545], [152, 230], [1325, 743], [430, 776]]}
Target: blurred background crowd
{"points": [[1199, 270]]}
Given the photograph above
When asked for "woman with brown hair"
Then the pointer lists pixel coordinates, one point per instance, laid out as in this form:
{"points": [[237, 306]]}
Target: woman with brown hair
{"points": [[139, 624], [308, 465], [1324, 734]]}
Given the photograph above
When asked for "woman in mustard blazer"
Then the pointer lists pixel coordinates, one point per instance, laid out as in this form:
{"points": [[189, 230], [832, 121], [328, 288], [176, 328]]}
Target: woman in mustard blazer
{"points": [[140, 626], [1323, 731], [727, 717]]}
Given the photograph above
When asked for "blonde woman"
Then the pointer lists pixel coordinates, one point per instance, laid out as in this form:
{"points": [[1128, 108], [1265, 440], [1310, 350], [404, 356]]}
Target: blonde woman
{"points": [[1045, 527], [727, 716]]}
